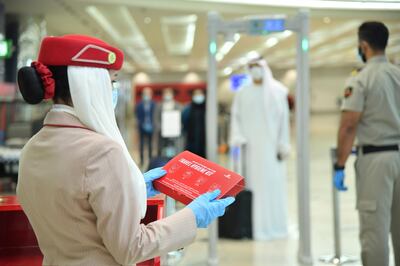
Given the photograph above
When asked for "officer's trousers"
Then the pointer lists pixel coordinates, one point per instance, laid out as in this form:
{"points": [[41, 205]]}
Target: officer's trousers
{"points": [[378, 205]]}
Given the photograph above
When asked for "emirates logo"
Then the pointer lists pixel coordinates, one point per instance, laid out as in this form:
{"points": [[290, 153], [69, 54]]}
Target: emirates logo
{"points": [[112, 57]]}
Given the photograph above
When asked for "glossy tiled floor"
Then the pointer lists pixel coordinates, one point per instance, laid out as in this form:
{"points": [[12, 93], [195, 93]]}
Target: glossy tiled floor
{"points": [[284, 252]]}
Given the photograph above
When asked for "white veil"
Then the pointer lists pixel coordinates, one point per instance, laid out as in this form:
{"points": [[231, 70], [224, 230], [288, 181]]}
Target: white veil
{"points": [[91, 93]]}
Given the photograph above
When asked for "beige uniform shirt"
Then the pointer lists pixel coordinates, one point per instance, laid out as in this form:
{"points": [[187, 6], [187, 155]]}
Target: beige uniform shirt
{"points": [[75, 187], [375, 92]]}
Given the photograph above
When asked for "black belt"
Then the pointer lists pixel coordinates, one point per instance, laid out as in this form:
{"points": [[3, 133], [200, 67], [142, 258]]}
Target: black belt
{"points": [[371, 148]]}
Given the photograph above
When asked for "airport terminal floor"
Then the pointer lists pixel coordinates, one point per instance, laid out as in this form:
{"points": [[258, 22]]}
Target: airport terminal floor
{"points": [[284, 252]]}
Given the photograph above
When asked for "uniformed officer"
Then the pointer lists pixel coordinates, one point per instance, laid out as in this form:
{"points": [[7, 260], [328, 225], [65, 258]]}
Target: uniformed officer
{"points": [[371, 111]]}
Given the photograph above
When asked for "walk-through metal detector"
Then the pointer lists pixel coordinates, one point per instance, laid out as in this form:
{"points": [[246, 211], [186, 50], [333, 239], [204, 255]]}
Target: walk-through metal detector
{"points": [[262, 26]]}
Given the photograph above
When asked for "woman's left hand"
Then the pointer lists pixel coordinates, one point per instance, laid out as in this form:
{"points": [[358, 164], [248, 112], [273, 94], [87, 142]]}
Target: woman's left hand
{"points": [[149, 177]]}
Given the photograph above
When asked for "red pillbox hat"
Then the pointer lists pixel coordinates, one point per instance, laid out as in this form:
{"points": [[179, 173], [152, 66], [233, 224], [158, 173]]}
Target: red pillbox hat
{"points": [[79, 50]]}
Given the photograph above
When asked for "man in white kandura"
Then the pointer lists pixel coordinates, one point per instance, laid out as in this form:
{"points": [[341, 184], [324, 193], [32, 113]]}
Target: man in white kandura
{"points": [[260, 122]]}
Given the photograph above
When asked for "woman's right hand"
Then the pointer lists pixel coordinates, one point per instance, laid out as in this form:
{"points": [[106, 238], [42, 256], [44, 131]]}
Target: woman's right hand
{"points": [[206, 208]]}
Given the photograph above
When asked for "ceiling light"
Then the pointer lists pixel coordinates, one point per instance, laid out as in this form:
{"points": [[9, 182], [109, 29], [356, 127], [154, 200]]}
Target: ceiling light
{"points": [[320, 36], [135, 44], [271, 42], [227, 71], [181, 67], [226, 47], [192, 77], [327, 20], [330, 48], [103, 22], [140, 51], [243, 61], [178, 33], [189, 39], [129, 20], [219, 56], [253, 55], [141, 78], [286, 33], [147, 20]]}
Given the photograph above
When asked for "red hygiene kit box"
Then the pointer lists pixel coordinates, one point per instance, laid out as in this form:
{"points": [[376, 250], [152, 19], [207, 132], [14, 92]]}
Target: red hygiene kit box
{"points": [[188, 176]]}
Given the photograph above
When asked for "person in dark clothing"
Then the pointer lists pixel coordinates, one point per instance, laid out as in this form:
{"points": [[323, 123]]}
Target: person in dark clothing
{"points": [[194, 124], [145, 119]]}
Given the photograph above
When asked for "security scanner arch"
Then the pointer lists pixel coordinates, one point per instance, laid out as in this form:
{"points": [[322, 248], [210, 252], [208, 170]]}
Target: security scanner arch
{"points": [[254, 26]]}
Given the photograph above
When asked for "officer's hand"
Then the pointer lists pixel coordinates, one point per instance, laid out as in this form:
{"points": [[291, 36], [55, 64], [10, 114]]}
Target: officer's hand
{"points": [[149, 177], [338, 180], [206, 208]]}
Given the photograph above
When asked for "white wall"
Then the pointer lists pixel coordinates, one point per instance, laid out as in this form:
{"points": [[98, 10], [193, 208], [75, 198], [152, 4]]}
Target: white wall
{"points": [[169, 77], [327, 86]]}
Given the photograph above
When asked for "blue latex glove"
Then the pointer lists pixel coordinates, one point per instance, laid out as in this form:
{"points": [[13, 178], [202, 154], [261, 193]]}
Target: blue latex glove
{"points": [[206, 208], [149, 177], [338, 180], [235, 151]]}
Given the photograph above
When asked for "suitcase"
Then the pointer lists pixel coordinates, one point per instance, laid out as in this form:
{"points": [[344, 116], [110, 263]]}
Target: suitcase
{"points": [[237, 222]]}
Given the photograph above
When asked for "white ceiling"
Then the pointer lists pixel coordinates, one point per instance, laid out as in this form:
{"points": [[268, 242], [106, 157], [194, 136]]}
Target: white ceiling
{"points": [[171, 36], [320, 4]]}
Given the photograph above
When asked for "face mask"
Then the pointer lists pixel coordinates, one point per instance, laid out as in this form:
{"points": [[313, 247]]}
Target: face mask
{"points": [[256, 73], [199, 99], [146, 98], [361, 55], [114, 97], [168, 97]]}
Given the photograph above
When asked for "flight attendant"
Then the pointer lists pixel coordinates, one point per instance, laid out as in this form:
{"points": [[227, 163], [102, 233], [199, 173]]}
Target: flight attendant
{"points": [[78, 185]]}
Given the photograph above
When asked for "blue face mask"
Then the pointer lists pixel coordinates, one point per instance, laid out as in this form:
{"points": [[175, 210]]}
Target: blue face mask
{"points": [[114, 97], [146, 98], [199, 99]]}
